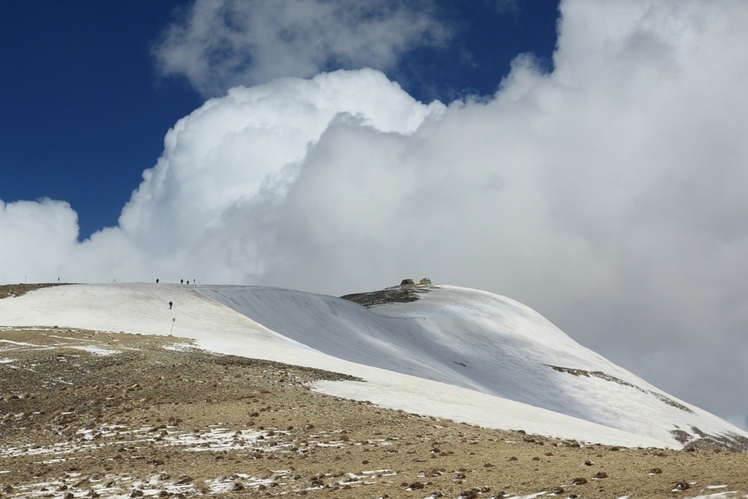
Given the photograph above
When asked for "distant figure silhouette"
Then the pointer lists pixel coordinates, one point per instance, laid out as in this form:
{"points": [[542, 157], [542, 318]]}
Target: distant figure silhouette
{"points": [[170, 305], [156, 281], [188, 283], [181, 281]]}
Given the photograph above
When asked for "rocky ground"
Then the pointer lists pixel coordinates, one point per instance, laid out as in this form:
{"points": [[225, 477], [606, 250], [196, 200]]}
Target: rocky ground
{"points": [[96, 414], [11, 290]]}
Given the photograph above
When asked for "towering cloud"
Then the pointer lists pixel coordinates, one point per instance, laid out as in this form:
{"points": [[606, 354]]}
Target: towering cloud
{"points": [[36, 238], [608, 194]]}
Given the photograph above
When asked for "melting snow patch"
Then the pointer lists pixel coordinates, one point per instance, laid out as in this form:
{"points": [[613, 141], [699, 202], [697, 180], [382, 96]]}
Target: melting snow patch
{"points": [[96, 350], [236, 483], [18, 343], [108, 486], [179, 347], [377, 473], [217, 439], [718, 495]]}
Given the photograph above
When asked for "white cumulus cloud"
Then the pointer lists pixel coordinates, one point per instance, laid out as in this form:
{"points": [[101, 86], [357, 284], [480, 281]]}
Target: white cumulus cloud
{"points": [[35, 238]]}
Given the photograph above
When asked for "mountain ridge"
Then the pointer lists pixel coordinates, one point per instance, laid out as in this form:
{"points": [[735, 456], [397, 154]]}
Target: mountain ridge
{"points": [[456, 337]]}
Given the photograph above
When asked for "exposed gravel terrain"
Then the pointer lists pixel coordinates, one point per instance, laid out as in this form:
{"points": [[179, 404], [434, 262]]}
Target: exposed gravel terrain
{"points": [[11, 290], [96, 414], [398, 294]]}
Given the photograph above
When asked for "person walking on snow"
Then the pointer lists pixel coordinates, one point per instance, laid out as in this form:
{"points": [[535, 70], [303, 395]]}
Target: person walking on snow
{"points": [[170, 305]]}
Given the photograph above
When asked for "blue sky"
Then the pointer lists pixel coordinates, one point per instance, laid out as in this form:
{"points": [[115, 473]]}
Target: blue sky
{"points": [[297, 143], [85, 110]]}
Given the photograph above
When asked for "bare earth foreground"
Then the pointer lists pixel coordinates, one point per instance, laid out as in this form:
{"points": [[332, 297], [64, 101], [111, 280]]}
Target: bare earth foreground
{"points": [[99, 414]]}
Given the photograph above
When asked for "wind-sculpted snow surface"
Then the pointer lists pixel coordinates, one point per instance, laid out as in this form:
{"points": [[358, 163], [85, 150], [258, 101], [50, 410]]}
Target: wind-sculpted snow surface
{"points": [[482, 341], [454, 353]]}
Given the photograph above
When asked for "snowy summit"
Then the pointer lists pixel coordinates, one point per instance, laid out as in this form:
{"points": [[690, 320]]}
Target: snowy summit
{"points": [[442, 351]]}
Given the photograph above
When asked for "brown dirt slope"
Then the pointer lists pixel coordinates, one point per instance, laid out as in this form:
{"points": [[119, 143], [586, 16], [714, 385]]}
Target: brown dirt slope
{"points": [[86, 414], [11, 290]]}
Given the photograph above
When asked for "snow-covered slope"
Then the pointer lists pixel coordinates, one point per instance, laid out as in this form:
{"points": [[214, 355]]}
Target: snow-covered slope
{"points": [[462, 354]]}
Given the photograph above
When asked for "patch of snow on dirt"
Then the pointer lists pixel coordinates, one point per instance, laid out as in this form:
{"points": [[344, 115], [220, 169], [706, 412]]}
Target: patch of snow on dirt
{"points": [[96, 350]]}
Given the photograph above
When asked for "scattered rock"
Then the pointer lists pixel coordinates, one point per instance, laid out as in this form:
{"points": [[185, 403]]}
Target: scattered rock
{"points": [[681, 486], [165, 402]]}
